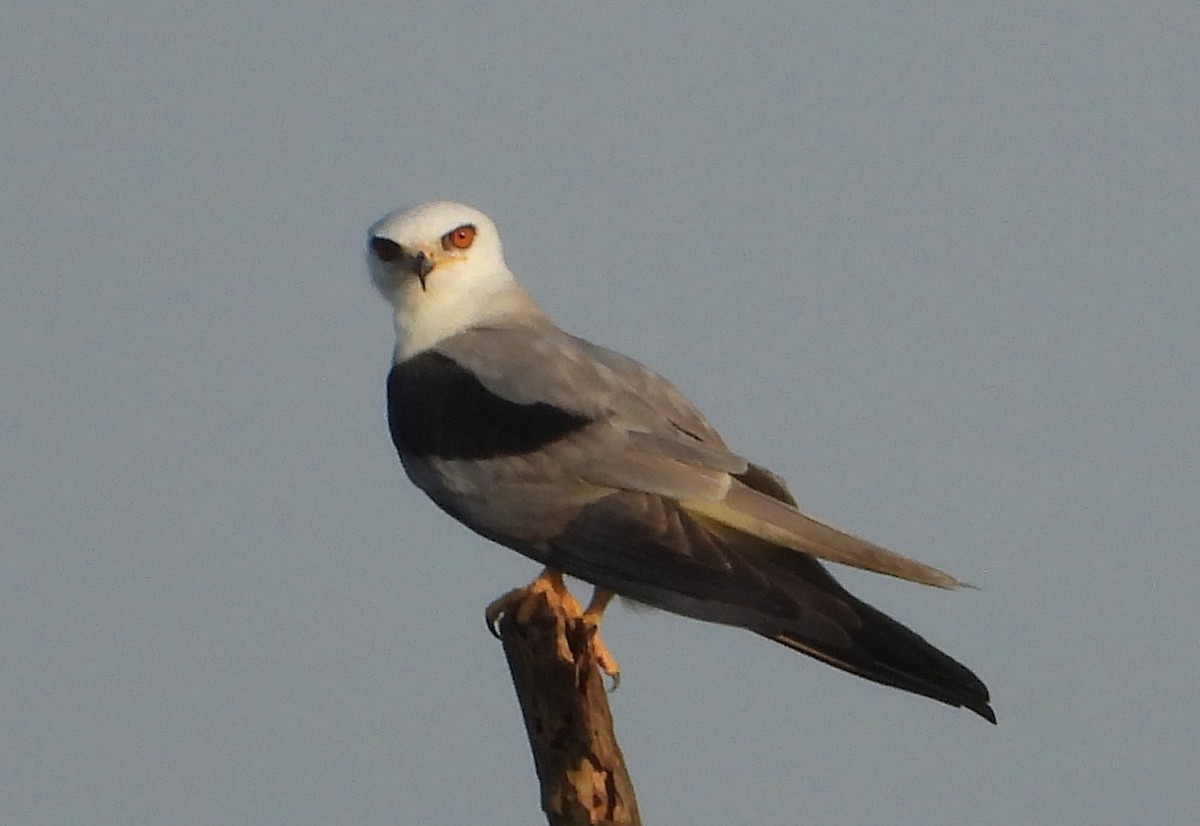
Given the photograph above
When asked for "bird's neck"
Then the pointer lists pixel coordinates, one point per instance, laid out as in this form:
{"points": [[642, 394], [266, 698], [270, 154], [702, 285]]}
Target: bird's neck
{"points": [[425, 318]]}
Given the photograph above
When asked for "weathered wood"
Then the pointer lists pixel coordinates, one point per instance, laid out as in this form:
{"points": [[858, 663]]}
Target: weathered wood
{"points": [[583, 777]]}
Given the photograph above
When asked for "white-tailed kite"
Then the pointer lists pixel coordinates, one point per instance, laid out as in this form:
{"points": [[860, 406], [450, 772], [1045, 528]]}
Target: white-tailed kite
{"points": [[592, 465]]}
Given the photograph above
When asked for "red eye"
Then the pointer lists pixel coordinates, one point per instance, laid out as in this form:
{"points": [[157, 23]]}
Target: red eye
{"points": [[459, 239]]}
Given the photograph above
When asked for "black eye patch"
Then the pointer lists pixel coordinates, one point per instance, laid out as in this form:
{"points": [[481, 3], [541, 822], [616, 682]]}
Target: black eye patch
{"points": [[386, 249]]}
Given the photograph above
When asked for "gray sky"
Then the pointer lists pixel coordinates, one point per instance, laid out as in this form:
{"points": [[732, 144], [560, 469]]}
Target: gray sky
{"points": [[936, 264]]}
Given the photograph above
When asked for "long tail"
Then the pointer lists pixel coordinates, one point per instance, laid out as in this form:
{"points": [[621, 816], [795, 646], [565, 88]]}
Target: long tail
{"points": [[663, 553], [885, 651], [880, 648]]}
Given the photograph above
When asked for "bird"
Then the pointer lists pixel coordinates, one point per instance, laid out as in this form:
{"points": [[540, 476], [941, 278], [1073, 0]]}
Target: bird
{"points": [[596, 467]]}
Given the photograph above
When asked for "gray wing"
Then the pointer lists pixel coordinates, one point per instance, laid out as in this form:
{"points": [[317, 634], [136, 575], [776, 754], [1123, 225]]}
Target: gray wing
{"points": [[635, 492], [535, 361], [655, 551], [644, 436]]}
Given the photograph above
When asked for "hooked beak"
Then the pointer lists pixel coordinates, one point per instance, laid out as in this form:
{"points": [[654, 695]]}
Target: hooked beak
{"points": [[422, 266], [389, 252]]}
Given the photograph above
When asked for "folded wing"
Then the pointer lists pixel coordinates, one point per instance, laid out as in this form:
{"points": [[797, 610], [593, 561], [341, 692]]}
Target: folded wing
{"points": [[654, 550]]}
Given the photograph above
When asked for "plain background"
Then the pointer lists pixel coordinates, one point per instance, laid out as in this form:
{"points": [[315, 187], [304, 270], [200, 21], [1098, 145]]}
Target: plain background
{"points": [[935, 263]]}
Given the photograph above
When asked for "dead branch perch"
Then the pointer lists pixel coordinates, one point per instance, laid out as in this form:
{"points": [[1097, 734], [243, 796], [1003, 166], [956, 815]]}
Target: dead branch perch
{"points": [[579, 765]]}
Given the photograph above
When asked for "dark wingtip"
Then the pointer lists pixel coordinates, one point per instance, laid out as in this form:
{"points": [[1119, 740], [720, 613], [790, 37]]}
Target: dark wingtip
{"points": [[886, 652], [985, 711]]}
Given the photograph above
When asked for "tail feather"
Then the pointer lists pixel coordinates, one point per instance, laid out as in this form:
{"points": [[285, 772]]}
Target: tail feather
{"points": [[886, 652], [880, 648]]}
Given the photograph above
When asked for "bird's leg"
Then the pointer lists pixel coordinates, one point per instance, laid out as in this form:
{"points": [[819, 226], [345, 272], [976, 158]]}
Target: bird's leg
{"points": [[592, 615], [521, 603], [549, 581]]}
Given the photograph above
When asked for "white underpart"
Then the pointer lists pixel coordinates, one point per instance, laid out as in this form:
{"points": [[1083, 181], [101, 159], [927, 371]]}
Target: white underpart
{"points": [[465, 288]]}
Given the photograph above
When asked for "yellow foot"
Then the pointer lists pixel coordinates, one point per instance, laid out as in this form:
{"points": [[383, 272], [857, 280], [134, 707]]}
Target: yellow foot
{"points": [[592, 616], [519, 601]]}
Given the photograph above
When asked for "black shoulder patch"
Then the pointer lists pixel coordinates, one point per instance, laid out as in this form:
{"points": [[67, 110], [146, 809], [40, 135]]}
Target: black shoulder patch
{"points": [[438, 408]]}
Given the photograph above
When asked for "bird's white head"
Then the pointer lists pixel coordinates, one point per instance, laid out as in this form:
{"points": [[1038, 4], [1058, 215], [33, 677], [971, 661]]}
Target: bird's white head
{"points": [[442, 268]]}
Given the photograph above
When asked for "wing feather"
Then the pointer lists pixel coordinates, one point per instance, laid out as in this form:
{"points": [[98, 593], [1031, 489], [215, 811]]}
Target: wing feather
{"points": [[647, 437], [758, 514], [647, 548]]}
